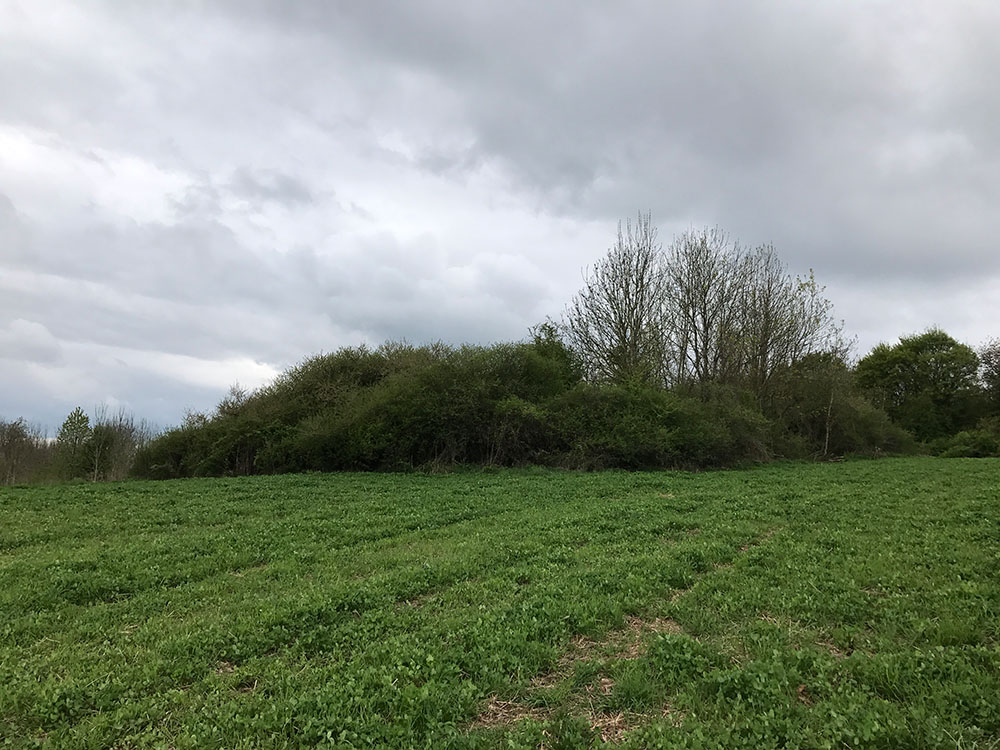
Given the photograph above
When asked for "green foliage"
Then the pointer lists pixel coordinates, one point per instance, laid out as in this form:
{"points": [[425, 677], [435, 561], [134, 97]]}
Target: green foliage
{"points": [[632, 427], [613, 426], [821, 412], [71, 444], [926, 383], [989, 360], [175, 453], [982, 442], [508, 404], [792, 605], [25, 455], [400, 407]]}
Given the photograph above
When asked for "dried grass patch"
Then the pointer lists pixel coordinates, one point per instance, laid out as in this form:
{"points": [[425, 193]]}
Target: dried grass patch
{"points": [[417, 601], [629, 644], [500, 713], [626, 643], [831, 649], [611, 725], [622, 644]]}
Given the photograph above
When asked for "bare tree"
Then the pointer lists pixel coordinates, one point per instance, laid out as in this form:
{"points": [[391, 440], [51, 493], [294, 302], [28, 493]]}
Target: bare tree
{"points": [[615, 323], [25, 453], [989, 373], [705, 310], [704, 286], [114, 441], [783, 319]]}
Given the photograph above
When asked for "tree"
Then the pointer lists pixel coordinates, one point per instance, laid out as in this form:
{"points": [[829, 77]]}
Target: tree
{"points": [[114, 441], [819, 406], [926, 383], [234, 402], [783, 320], [737, 316], [615, 323], [989, 362], [706, 310], [704, 288], [71, 444], [25, 454]]}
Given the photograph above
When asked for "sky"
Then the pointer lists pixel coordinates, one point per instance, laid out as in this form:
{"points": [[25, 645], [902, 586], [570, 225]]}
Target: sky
{"points": [[194, 194]]}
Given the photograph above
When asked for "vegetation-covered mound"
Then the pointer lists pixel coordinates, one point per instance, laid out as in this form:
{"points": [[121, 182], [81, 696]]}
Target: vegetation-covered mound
{"points": [[400, 407]]}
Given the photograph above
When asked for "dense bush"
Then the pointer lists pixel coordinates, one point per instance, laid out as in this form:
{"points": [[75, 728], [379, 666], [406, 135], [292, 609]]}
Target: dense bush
{"points": [[400, 407], [175, 453], [982, 442], [25, 455], [927, 383], [395, 407], [818, 411], [636, 427]]}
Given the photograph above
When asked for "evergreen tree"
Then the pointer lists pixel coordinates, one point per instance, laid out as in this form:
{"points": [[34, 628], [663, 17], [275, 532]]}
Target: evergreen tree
{"points": [[72, 441]]}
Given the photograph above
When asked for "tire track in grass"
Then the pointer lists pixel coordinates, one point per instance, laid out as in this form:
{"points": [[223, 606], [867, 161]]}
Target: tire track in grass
{"points": [[623, 644]]}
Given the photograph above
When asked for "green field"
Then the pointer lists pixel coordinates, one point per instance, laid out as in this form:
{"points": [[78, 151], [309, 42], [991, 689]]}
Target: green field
{"points": [[837, 605]]}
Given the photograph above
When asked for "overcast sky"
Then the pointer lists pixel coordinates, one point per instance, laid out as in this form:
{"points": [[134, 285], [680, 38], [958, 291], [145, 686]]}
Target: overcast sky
{"points": [[197, 193]]}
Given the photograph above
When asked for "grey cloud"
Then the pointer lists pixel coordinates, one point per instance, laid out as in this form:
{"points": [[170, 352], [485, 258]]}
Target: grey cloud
{"points": [[190, 288], [261, 180], [29, 341], [776, 119], [36, 393], [270, 185]]}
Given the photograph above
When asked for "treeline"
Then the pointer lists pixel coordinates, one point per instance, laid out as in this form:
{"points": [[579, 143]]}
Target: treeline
{"points": [[401, 407], [103, 450], [944, 393], [701, 353], [25, 453]]}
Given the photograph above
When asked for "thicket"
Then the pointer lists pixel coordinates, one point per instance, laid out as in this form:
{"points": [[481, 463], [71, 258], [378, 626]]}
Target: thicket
{"points": [[25, 453], [103, 450], [400, 407], [704, 353]]}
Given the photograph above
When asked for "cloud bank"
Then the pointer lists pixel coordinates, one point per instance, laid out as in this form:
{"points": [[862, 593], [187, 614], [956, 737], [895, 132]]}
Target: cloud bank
{"points": [[192, 195]]}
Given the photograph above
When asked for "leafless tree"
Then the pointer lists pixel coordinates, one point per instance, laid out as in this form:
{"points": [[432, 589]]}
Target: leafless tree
{"points": [[114, 441], [615, 323], [783, 318], [705, 285], [25, 453], [705, 309]]}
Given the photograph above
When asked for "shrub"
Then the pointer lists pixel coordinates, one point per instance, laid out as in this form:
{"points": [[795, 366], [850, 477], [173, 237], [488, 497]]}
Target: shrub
{"points": [[979, 443], [635, 427]]}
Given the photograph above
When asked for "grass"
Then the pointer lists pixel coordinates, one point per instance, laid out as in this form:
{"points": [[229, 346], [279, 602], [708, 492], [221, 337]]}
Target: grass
{"points": [[847, 605]]}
